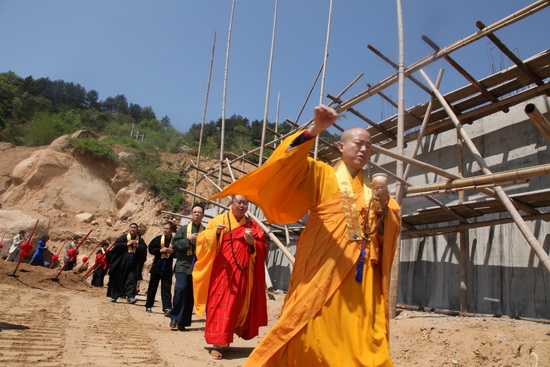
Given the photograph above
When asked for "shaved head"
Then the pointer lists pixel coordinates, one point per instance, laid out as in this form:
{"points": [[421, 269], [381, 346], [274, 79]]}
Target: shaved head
{"points": [[351, 132]]}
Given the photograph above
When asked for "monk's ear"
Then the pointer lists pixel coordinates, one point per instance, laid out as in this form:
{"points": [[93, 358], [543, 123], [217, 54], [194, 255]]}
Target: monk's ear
{"points": [[340, 146]]}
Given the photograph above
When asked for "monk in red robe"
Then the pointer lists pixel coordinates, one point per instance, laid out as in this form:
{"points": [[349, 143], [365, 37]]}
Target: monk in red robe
{"points": [[229, 277], [336, 308]]}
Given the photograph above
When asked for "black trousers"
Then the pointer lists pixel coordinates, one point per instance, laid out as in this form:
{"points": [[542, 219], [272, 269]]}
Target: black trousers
{"points": [[165, 290], [183, 300]]}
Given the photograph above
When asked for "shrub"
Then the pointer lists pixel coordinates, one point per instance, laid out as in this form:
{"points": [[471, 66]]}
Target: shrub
{"points": [[92, 147]]}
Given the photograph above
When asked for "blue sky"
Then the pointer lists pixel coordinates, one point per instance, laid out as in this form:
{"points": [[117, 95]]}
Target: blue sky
{"points": [[157, 53]]}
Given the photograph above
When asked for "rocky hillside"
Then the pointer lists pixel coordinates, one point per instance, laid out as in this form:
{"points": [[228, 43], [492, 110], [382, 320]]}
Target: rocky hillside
{"points": [[72, 194]]}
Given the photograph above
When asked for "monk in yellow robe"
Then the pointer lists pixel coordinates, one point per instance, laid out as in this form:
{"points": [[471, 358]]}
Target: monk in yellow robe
{"points": [[336, 308]]}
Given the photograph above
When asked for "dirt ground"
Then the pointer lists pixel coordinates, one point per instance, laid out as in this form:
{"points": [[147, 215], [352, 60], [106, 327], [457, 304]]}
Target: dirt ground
{"points": [[66, 322]]}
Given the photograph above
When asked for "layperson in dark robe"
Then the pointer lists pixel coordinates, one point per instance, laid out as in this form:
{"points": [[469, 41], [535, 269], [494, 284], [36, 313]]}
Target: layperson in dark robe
{"points": [[124, 258], [161, 269], [185, 245]]}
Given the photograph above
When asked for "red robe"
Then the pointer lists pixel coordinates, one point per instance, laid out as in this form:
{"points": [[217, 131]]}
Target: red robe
{"points": [[229, 281]]}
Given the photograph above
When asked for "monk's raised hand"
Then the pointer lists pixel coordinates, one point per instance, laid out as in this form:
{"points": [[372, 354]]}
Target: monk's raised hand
{"points": [[324, 117]]}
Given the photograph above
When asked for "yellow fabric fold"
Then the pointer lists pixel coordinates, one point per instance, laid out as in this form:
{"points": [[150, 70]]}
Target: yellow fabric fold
{"points": [[208, 243]]}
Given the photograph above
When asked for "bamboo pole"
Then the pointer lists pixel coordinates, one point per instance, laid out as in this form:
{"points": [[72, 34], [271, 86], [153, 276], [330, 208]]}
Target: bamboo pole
{"points": [[526, 232], [88, 257], [492, 178], [436, 231], [55, 258], [95, 266], [310, 91], [420, 136], [266, 107], [277, 114], [325, 58], [80, 244], [394, 276], [224, 98], [538, 119], [29, 241], [204, 111], [462, 235]]}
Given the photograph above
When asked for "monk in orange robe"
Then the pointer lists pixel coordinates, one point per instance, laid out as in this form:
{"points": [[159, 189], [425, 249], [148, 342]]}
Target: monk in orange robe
{"points": [[229, 277], [336, 308]]}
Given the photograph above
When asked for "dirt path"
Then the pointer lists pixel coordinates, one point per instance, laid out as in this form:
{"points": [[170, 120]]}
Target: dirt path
{"points": [[69, 323]]}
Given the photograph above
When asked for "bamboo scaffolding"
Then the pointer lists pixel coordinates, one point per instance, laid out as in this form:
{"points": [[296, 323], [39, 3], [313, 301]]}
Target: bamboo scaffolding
{"points": [[266, 107], [512, 18], [389, 134], [443, 173], [487, 179], [505, 50], [466, 75], [529, 237], [396, 67], [204, 110], [395, 105], [437, 231]]}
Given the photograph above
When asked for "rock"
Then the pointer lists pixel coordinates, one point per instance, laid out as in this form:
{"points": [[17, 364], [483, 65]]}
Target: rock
{"points": [[85, 217], [128, 210]]}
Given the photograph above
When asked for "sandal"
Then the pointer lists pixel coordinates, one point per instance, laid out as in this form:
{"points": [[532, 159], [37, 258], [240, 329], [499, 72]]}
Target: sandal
{"points": [[216, 354]]}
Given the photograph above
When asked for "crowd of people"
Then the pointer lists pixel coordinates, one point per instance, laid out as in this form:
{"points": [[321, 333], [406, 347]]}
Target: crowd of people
{"points": [[336, 308]]}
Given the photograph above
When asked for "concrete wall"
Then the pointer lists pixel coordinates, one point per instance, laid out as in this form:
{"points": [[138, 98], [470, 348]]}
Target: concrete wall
{"points": [[504, 276]]}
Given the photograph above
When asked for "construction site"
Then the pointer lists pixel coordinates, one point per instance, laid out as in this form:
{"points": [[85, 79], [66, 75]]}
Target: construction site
{"points": [[470, 169]]}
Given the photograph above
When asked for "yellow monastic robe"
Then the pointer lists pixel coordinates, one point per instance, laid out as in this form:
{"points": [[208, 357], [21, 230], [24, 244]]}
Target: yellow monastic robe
{"points": [[328, 319]]}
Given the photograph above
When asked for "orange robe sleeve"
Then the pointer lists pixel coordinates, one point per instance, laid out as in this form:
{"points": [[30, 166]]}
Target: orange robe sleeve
{"points": [[207, 246], [286, 186]]}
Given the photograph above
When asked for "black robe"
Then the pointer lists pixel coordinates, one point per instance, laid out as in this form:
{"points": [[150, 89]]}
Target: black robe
{"points": [[99, 273], [125, 268]]}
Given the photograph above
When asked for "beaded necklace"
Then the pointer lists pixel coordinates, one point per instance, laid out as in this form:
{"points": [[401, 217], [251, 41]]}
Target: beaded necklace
{"points": [[231, 243]]}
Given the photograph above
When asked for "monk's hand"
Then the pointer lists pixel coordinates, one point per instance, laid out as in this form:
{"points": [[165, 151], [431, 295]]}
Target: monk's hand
{"points": [[193, 236], [324, 117], [249, 238], [220, 228], [380, 192]]}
